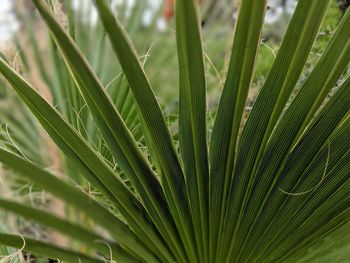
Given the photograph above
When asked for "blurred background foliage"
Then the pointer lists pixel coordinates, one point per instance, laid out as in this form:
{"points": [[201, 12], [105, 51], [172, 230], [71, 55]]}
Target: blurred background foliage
{"points": [[27, 45]]}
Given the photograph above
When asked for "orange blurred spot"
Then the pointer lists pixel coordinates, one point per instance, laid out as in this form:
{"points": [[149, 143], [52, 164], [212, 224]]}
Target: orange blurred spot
{"points": [[169, 9]]}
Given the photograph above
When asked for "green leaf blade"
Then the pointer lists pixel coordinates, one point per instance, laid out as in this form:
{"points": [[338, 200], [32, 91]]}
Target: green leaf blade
{"points": [[318, 181], [114, 130], [46, 249], [192, 119], [74, 231], [280, 82], [80, 201], [76, 148], [310, 144], [157, 134], [229, 116]]}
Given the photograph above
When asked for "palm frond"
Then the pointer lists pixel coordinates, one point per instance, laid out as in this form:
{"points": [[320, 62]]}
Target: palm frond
{"points": [[270, 188]]}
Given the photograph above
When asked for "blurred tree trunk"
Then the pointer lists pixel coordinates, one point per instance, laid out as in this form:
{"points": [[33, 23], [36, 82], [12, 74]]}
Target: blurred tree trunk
{"points": [[344, 4], [212, 9]]}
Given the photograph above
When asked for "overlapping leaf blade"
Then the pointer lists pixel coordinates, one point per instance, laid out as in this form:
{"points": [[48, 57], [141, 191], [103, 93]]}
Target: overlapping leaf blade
{"points": [[74, 231], [114, 130], [80, 201], [76, 148], [157, 134], [232, 104], [43, 248], [310, 144], [192, 119], [315, 184], [319, 83], [275, 190], [280, 82]]}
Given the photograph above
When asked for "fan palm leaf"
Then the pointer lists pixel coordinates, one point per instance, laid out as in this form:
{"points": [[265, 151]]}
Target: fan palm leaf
{"points": [[266, 189]]}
